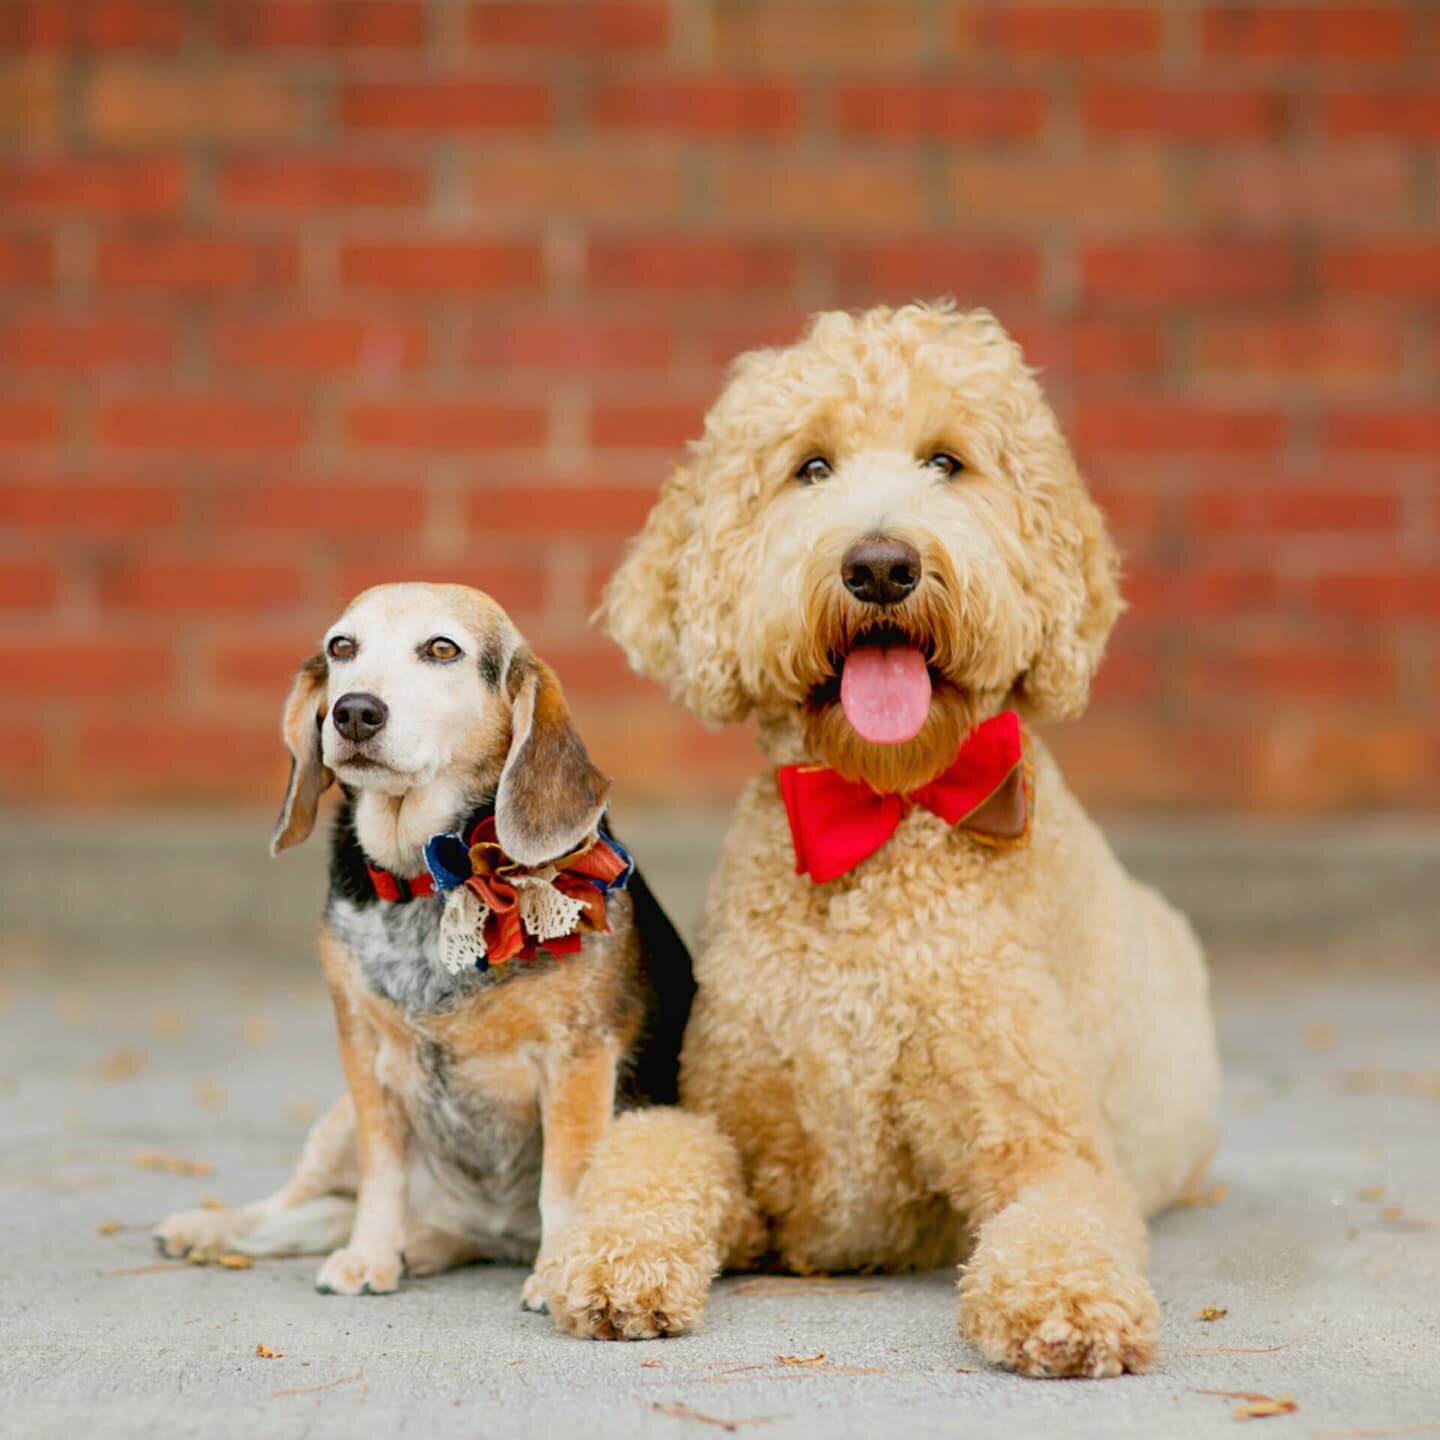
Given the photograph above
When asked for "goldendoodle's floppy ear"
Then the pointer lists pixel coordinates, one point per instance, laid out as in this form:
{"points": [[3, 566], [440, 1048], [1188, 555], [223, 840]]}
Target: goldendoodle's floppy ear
{"points": [[550, 795], [640, 608], [1079, 606], [309, 779]]}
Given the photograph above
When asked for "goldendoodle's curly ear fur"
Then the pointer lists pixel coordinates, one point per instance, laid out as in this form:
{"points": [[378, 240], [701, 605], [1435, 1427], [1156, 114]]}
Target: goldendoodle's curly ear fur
{"points": [[653, 606], [1081, 605]]}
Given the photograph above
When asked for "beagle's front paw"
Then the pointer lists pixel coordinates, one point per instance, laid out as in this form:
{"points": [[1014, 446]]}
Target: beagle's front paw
{"points": [[359, 1272]]}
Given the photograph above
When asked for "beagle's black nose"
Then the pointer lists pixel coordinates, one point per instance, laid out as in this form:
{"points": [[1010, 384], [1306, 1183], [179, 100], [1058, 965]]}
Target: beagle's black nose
{"points": [[358, 716], [880, 571]]}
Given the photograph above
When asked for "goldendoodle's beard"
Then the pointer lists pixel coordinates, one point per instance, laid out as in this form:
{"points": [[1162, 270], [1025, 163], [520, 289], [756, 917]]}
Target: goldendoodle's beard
{"points": [[950, 626]]}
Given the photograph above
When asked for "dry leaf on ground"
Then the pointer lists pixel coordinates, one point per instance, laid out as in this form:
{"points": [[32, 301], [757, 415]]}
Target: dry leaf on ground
{"points": [[1263, 1409], [1201, 1199], [234, 1261], [266, 1353], [1213, 1312], [109, 1227], [120, 1065], [801, 1359], [172, 1164]]}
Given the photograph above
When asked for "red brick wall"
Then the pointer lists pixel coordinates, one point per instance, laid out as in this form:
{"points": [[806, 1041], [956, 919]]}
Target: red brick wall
{"points": [[300, 294]]}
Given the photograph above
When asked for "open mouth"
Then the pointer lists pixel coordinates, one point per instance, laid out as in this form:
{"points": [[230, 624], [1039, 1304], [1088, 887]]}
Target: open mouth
{"points": [[884, 680]]}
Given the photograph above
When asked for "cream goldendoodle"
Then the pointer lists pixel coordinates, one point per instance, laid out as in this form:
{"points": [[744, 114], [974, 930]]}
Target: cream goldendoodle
{"points": [[936, 1022]]}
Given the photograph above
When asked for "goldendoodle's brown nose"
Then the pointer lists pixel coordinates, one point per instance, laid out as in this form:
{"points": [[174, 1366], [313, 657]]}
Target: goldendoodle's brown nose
{"points": [[880, 571]]}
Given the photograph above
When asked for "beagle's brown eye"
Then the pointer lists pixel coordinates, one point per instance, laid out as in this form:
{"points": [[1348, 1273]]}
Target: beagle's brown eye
{"points": [[341, 647], [945, 463], [441, 648], [817, 467]]}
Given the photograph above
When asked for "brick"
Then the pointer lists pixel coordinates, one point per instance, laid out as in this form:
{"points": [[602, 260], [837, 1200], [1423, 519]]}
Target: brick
{"points": [[1373, 31], [319, 507], [1338, 188], [1406, 268], [1412, 114], [27, 585], [938, 109], [652, 426], [1056, 31], [24, 765], [445, 105], [1172, 426], [87, 342], [31, 99], [686, 264], [75, 666], [29, 422], [1388, 592], [444, 425], [517, 586], [538, 181], [1292, 671], [1126, 186], [264, 667], [203, 424], [803, 35], [1199, 589], [770, 192], [569, 344], [912, 269], [202, 586], [545, 509], [320, 345], [698, 106], [97, 509], [455, 266], [1179, 272], [1261, 509], [91, 26], [295, 183], [583, 28], [1397, 430], [151, 187], [179, 759], [201, 264], [1191, 112], [1309, 346], [1090, 348], [128, 104], [321, 25], [25, 263]]}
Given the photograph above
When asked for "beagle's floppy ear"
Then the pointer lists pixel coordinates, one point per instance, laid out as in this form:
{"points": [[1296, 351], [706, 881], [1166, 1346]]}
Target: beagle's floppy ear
{"points": [[550, 795], [309, 779]]}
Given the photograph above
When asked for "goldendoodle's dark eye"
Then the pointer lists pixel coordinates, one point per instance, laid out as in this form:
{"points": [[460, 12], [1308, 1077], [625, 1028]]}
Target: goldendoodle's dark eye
{"points": [[945, 463], [341, 647], [817, 467]]}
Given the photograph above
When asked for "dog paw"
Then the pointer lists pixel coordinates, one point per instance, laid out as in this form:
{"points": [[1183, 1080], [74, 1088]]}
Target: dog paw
{"points": [[1097, 1320], [604, 1285], [532, 1297], [192, 1231], [358, 1272]]}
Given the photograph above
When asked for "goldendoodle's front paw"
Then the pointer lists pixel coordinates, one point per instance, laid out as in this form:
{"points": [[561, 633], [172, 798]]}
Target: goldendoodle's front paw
{"points": [[604, 1284], [1096, 1319], [532, 1296], [358, 1272]]}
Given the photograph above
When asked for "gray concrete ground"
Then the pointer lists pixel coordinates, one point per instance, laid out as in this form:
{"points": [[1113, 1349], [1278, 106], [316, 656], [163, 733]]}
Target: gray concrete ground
{"points": [[160, 1004]]}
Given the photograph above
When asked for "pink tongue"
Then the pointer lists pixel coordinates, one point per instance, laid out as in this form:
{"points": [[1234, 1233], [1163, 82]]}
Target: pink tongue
{"points": [[885, 693]]}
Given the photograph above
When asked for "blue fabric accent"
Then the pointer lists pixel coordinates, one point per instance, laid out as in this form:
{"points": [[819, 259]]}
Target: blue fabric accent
{"points": [[447, 858]]}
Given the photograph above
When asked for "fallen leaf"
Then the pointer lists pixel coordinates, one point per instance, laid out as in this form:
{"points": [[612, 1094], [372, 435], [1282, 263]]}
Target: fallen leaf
{"points": [[680, 1411], [807, 1285], [234, 1261], [801, 1359], [1321, 1036], [266, 1353], [1392, 1212], [172, 1164], [166, 1023], [1261, 1409], [109, 1227], [209, 1094], [1202, 1199], [1371, 1193], [1213, 1312], [120, 1065], [256, 1032], [211, 1202]]}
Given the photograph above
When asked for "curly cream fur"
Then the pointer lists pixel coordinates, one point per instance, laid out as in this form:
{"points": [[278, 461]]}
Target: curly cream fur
{"points": [[953, 1054]]}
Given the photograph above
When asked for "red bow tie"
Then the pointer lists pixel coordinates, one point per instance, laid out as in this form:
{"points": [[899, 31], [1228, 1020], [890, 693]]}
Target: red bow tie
{"points": [[836, 823]]}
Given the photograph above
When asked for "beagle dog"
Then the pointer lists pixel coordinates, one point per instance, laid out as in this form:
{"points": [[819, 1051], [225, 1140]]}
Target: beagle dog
{"points": [[502, 977]]}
